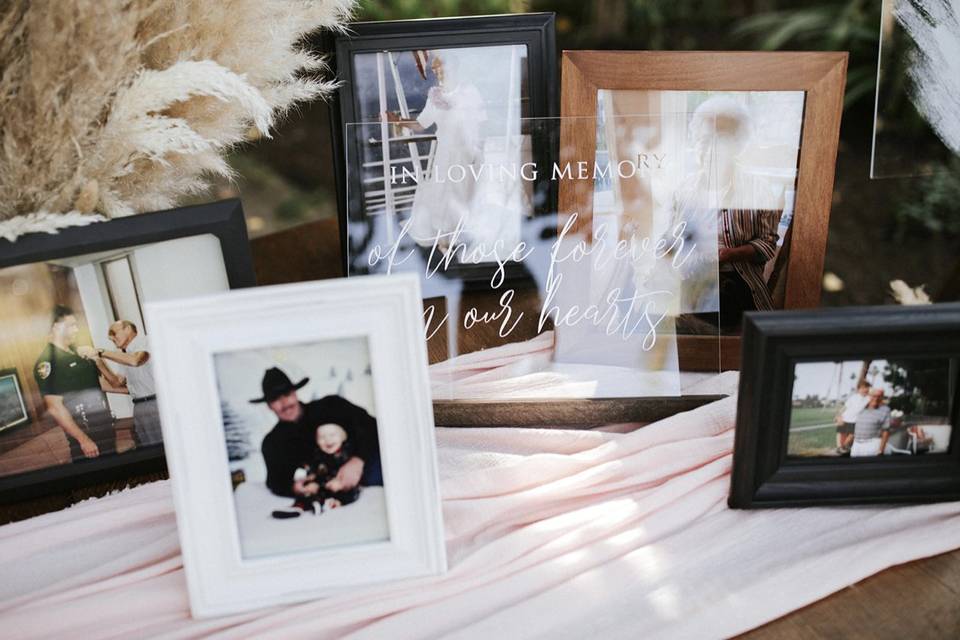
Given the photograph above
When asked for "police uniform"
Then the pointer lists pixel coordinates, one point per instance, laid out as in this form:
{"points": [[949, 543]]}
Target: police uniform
{"points": [[77, 381]]}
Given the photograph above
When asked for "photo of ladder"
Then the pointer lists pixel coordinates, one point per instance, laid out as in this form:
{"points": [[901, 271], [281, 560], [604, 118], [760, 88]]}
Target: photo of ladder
{"points": [[381, 196]]}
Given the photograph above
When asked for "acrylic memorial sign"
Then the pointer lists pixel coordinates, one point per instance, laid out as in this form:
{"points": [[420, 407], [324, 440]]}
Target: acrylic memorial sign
{"points": [[550, 269]]}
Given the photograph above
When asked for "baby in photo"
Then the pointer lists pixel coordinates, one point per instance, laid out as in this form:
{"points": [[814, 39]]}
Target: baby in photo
{"points": [[316, 481]]}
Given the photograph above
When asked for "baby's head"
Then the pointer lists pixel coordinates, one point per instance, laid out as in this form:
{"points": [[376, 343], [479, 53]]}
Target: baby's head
{"points": [[330, 437]]}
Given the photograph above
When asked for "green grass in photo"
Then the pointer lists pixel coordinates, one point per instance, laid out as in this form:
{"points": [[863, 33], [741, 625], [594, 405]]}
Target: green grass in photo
{"points": [[806, 441], [807, 416]]}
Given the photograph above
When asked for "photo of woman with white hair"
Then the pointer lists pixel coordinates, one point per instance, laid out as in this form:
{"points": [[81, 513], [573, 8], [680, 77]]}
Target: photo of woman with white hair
{"points": [[746, 234]]}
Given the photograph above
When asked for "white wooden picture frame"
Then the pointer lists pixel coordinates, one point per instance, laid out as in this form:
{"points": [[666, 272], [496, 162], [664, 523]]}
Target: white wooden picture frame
{"points": [[188, 336]]}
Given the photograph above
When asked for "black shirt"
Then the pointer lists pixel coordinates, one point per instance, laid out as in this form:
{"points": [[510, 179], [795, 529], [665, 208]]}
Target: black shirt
{"points": [[58, 372], [326, 465], [290, 445]]}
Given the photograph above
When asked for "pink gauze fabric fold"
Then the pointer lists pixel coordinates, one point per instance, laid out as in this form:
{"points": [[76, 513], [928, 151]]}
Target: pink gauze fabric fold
{"points": [[550, 534]]}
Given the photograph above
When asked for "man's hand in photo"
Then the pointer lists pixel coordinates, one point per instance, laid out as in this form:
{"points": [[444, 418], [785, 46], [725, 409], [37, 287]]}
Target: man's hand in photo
{"points": [[88, 352], [348, 477]]}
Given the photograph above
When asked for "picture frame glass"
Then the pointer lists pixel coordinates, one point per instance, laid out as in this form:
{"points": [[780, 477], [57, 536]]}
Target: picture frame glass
{"points": [[753, 139], [480, 86], [872, 408], [573, 245], [305, 431]]}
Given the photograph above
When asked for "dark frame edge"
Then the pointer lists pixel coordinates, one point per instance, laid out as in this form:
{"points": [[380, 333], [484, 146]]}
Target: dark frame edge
{"points": [[762, 477]]}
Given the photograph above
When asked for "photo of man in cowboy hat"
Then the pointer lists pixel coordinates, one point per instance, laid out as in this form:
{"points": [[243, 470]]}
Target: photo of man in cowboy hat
{"points": [[289, 444]]}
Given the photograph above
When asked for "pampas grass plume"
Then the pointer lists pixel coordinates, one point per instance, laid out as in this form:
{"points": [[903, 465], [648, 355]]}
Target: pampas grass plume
{"points": [[116, 107]]}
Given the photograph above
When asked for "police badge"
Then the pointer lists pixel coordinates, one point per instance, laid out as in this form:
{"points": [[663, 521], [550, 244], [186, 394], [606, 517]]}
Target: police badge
{"points": [[43, 369]]}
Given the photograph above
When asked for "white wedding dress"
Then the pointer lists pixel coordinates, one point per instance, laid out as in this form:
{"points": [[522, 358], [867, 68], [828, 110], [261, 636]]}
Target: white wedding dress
{"points": [[446, 195]]}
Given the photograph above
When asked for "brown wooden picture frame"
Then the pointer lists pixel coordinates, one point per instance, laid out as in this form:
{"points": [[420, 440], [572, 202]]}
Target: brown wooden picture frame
{"points": [[820, 75]]}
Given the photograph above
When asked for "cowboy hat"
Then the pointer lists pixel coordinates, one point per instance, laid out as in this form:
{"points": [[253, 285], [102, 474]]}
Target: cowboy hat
{"points": [[275, 384]]}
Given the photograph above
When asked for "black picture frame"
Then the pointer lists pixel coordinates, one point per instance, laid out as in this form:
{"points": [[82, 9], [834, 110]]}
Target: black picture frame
{"points": [[773, 343], [223, 219], [534, 30]]}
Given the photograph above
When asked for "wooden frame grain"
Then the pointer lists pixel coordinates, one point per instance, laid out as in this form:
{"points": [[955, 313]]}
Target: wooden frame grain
{"points": [[820, 75], [587, 413], [773, 343]]}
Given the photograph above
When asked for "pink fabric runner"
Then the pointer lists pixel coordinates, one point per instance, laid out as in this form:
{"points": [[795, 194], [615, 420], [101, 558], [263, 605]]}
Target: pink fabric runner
{"points": [[550, 534]]}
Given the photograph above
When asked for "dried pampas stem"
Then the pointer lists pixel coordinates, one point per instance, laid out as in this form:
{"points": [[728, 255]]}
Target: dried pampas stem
{"points": [[144, 110], [45, 222], [905, 294]]}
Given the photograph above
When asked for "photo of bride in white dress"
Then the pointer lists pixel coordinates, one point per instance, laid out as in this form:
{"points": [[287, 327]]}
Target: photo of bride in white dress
{"points": [[442, 146], [456, 110]]}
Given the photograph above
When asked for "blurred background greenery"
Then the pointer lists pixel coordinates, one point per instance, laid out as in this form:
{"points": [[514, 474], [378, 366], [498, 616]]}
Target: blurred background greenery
{"points": [[880, 230]]}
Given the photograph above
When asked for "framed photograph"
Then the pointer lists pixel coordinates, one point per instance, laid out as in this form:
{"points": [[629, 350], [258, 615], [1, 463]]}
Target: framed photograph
{"points": [[847, 406], [422, 97], [77, 399], [763, 129], [300, 440]]}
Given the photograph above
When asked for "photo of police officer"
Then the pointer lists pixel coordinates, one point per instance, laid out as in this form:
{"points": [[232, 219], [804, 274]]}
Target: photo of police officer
{"points": [[68, 376], [75, 357]]}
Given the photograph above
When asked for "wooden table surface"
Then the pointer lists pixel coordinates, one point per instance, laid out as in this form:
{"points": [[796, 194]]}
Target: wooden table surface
{"points": [[917, 600]]}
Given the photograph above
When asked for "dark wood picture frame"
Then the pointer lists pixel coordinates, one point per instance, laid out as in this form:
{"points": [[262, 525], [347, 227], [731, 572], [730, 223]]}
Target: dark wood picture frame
{"points": [[820, 75], [534, 30], [224, 220], [773, 343]]}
